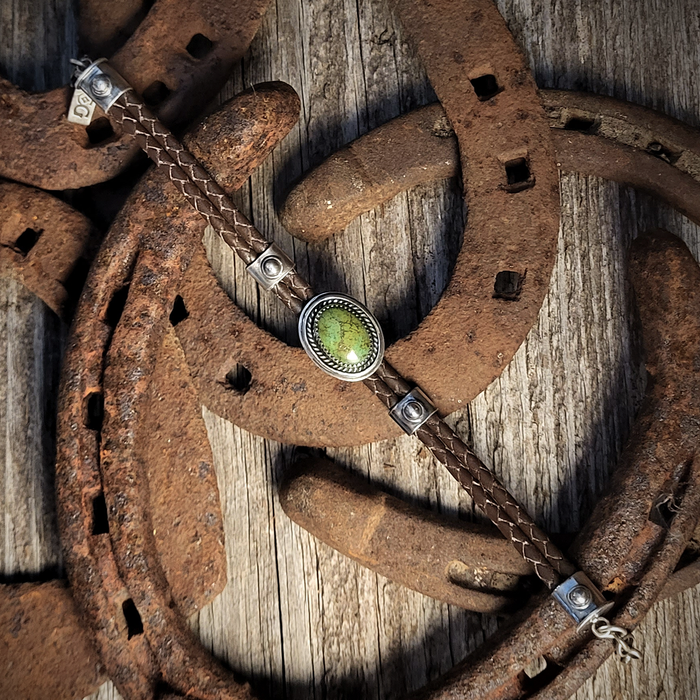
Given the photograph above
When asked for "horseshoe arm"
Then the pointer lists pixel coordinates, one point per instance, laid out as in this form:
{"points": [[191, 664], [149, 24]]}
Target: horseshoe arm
{"points": [[405, 152], [592, 134], [40, 147], [630, 545], [256, 120]]}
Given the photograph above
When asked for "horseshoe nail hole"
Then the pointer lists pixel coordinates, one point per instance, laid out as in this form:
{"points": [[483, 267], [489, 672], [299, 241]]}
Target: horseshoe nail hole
{"points": [[485, 86], [116, 307], [134, 623], [518, 175], [539, 673], [199, 46], [94, 410], [582, 124], [664, 511], [99, 131], [535, 667], [179, 312], [26, 241], [75, 281], [658, 150], [239, 379], [163, 690], [508, 285], [156, 93], [100, 521]]}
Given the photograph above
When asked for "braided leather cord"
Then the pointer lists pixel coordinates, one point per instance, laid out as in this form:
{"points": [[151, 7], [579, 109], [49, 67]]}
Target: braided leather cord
{"points": [[487, 492], [490, 483], [202, 192], [498, 515], [207, 197]]}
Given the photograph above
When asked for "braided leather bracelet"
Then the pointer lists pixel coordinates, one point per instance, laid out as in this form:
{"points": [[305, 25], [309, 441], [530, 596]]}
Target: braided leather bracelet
{"points": [[343, 338]]}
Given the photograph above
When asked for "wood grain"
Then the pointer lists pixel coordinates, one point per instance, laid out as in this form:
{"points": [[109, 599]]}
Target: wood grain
{"points": [[296, 618]]}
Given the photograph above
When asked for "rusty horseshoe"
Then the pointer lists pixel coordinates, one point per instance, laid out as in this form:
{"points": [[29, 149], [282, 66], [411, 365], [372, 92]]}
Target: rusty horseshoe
{"points": [[128, 602], [46, 245], [179, 57], [593, 135], [629, 545]]}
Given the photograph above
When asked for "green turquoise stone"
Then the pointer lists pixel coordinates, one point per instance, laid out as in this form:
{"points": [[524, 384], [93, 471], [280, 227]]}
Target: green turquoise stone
{"points": [[344, 336]]}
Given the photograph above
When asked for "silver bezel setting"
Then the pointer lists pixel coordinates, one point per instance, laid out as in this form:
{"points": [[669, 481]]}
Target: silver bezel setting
{"points": [[102, 84], [582, 615], [310, 341], [257, 269], [415, 399]]}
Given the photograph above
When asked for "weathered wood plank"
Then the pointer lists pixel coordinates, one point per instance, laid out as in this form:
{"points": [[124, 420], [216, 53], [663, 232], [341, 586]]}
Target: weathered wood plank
{"points": [[36, 39]]}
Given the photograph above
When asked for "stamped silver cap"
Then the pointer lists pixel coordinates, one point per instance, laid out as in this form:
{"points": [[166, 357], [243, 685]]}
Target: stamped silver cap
{"points": [[580, 598], [101, 83]]}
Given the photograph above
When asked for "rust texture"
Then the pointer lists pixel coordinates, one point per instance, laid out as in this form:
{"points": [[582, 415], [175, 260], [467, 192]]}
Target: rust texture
{"points": [[283, 383], [45, 244], [44, 651], [174, 448], [460, 563], [510, 175], [40, 147], [45, 648], [105, 26], [592, 135], [623, 548], [111, 353]]}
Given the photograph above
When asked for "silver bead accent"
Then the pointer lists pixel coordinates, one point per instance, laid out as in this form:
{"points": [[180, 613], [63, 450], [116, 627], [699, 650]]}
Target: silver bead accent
{"points": [[581, 599], [101, 83], [270, 267], [413, 410]]}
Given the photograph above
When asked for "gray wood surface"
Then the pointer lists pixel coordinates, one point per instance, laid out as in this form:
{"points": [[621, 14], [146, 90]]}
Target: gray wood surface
{"points": [[296, 618]]}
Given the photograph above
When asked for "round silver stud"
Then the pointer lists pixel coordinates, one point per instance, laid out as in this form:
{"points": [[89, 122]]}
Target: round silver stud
{"points": [[272, 267], [101, 85], [580, 597], [412, 411]]}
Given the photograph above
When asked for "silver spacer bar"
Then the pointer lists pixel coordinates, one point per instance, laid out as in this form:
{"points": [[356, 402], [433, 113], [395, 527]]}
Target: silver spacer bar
{"points": [[413, 410], [270, 267]]}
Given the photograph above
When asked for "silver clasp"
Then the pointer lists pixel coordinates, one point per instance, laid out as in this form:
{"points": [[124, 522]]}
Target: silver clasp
{"points": [[623, 639], [586, 605], [96, 83]]}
